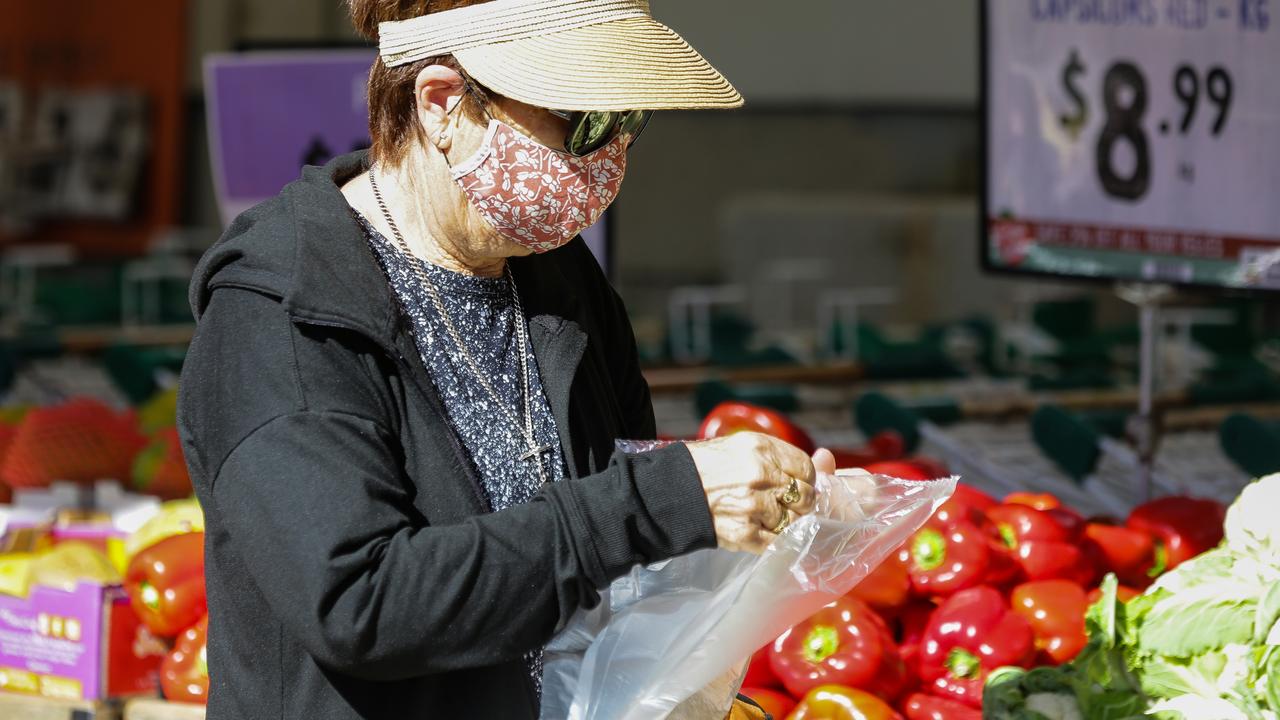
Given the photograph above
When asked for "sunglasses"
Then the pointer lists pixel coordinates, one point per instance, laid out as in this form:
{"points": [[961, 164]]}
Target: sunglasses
{"points": [[590, 131]]}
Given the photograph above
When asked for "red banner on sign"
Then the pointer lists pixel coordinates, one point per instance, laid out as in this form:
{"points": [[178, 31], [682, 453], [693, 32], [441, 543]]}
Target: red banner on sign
{"points": [[1020, 234]]}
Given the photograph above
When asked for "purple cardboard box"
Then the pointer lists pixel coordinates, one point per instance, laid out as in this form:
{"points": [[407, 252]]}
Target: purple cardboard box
{"points": [[82, 644]]}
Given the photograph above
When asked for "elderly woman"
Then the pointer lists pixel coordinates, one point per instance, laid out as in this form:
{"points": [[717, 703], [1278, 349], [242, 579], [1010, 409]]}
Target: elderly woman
{"points": [[408, 377]]}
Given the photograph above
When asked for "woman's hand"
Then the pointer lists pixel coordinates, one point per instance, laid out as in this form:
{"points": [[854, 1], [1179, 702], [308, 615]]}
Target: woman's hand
{"points": [[746, 477]]}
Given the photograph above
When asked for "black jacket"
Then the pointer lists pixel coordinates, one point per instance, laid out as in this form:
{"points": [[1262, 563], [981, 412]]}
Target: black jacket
{"points": [[352, 568]]}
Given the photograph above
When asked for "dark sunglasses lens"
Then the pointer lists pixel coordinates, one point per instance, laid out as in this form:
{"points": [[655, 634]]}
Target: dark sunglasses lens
{"points": [[635, 121], [589, 131]]}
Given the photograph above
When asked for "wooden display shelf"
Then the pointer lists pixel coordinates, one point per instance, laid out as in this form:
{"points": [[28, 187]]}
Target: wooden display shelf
{"points": [[97, 339], [94, 339], [149, 709], [34, 708], [1007, 407], [1210, 416], [686, 379]]}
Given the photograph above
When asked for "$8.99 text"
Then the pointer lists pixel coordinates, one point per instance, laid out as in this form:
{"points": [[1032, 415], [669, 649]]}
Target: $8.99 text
{"points": [[1125, 97]]}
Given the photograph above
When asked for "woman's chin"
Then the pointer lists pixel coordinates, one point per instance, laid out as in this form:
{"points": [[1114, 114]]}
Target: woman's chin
{"points": [[514, 249]]}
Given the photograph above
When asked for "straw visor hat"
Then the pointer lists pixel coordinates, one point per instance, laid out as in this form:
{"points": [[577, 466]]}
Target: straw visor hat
{"points": [[566, 54]]}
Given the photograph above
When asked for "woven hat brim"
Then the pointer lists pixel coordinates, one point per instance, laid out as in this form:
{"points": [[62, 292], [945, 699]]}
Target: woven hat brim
{"points": [[634, 64]]}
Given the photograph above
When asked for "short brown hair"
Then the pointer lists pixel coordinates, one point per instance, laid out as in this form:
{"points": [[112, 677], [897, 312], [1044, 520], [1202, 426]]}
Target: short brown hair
{"points": [[392, 119]]}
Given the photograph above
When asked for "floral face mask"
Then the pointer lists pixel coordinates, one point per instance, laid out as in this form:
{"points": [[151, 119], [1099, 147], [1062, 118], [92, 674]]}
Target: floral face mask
{"points": [[535, 196]]}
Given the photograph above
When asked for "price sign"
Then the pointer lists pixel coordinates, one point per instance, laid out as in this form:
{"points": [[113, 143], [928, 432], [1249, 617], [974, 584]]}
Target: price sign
{"points": [[1134, 139]]}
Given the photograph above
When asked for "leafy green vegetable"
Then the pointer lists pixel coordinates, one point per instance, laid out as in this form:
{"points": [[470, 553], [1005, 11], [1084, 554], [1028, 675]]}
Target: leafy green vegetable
{"points": [[1251, 528], [1271, 679], [1100, 618], [1214, 565], [1171, 677], [1199, 707], [1115, 705], [1198, 621], [1046, 680], [1268, 614], [1055, 706], [1045, 693]]}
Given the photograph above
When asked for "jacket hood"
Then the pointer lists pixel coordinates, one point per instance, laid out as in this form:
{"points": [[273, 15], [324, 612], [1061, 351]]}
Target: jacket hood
{"points": [[305, 248]]}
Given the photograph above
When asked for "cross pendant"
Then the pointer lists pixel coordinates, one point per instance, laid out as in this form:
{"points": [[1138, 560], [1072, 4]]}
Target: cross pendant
{"points": [[535, 454]]}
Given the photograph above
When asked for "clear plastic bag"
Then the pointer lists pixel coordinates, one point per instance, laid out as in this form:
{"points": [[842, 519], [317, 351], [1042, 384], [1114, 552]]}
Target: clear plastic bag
{"points": [[667, 632]]}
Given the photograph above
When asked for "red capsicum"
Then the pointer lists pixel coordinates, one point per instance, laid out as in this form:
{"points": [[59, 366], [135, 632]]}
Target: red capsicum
{"points": [[732, 417], [1073, 521], [944, 559], [1045, 542], [884, 445], [184, 673], [900, 469], [887, 588], [971, 634], [1133, 555], [845, 643], [1039, 501], [836, 702], [165, 583], [931, 707], [1055, 609], [912, 621], [760, 672], [895, 676], [970, 505], [1185, 526], [966, 503], [775, 702]]}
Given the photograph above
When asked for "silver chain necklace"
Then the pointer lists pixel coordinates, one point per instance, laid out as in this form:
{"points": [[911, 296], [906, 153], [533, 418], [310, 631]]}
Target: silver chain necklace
{"points": [[534, 451]]}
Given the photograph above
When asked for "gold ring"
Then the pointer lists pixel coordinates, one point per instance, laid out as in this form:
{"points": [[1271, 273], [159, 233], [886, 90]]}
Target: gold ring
{"points": [[786, 521], [791, 495]]}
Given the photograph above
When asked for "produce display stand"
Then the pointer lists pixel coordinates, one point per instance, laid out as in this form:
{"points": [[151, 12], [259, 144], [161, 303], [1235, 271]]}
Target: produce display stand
{"points": [[1002, 457], [34, 708], [995, 456], [150, 709]]}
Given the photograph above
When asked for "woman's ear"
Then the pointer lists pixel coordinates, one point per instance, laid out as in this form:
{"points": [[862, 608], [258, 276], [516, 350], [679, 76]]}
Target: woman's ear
{"points": [[436, 93]]}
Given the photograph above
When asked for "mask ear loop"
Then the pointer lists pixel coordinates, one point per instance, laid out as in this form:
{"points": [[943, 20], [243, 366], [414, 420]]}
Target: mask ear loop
{"points": [[445, 135]]}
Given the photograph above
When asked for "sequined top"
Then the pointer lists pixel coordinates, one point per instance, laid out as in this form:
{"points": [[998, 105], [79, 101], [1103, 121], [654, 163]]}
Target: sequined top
{"points": [[485, 315]]}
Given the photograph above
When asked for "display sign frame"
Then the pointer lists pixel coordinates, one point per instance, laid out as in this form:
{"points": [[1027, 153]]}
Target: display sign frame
{"points": [[987, 236]]}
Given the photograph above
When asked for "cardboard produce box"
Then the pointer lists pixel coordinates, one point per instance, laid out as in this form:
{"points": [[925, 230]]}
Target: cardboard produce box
{"points": [[161, 710], [67, 630]]}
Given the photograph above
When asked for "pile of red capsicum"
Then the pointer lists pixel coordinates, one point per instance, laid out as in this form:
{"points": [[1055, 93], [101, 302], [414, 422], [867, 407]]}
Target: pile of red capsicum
{"points": [[983, 584], [165, 583], [885, 452]]}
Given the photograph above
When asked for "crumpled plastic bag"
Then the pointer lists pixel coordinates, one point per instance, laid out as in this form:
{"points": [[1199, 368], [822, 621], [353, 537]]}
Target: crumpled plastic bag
{"points": [[674, 635]]}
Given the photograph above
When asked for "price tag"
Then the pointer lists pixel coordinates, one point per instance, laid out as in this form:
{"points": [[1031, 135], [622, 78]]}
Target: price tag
{"points": [[1134, 139]]}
